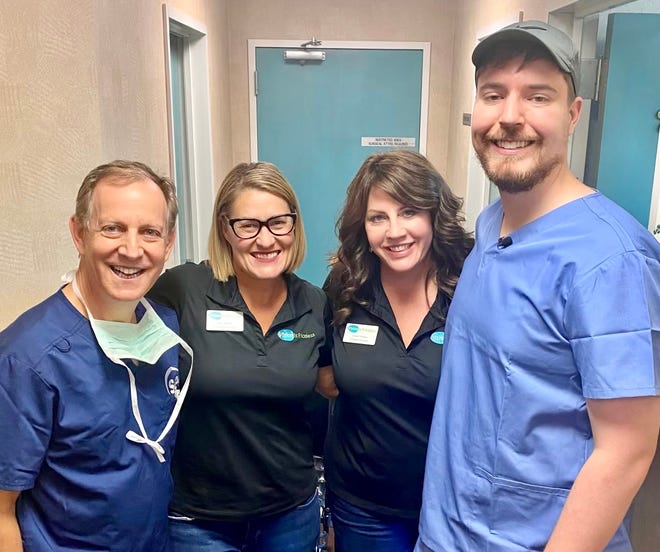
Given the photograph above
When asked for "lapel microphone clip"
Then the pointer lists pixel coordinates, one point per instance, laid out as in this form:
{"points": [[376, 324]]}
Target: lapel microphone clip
{"points": [[504, 242]]}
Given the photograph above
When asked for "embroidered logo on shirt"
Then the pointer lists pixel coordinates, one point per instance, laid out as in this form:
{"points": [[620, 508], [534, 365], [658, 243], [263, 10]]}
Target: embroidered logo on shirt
{"points": [[286, 335], [289, 335], [438, 337], [172, 381]]}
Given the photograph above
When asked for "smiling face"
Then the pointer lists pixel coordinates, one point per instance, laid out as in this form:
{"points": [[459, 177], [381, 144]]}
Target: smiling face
{"points": [[264, 256], [123, 248], [521, 122], [400, 236]]}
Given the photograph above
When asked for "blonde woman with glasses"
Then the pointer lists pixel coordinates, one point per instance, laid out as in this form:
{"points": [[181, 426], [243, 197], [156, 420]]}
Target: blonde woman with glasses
{"points": [[243, 468]]}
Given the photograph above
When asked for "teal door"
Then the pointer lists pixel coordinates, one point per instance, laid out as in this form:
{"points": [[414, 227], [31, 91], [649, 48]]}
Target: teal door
{"points": [[630, 101], [318, 121]]}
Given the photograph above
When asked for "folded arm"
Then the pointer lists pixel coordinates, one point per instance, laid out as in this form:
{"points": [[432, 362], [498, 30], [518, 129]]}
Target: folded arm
{"points": [[325, 383]]}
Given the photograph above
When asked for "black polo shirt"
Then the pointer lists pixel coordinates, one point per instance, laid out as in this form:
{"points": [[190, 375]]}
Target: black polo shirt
{"points": [[244, 444], [376, 446]]}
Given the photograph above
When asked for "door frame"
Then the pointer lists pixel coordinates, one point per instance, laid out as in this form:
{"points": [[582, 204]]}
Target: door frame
{"points": [[477, 189], [254, 43], [654, 212], [198, 126], [583, 9]]}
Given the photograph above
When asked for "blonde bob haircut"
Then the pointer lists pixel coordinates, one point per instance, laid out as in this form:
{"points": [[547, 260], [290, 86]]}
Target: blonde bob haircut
{"points": [[264, 177]]}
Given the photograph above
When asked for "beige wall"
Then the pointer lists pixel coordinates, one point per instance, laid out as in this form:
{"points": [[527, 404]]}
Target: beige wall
{"points": [[82, 82], [413, 20], [49, 135]]}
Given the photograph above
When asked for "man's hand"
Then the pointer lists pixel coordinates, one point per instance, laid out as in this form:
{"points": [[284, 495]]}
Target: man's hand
{"points": [[625, 439]]}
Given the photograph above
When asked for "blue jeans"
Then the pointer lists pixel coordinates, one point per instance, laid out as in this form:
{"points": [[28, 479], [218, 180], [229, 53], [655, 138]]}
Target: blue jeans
{"points": [[357, 530], [294, 531]]}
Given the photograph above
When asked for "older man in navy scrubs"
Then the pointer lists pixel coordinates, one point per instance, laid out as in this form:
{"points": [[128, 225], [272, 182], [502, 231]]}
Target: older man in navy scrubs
{"points": [[89, 383]]}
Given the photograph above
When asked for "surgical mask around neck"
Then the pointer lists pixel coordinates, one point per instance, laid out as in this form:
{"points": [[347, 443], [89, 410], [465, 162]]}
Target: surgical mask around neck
{"points": [[146, 341]]}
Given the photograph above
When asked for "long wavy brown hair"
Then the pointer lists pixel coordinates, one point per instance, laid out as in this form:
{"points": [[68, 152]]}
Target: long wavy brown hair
{"points": [[411, 180]]}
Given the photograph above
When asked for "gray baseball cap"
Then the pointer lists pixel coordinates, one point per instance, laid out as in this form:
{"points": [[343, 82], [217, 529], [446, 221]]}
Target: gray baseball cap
{"points": [[557, 43]]}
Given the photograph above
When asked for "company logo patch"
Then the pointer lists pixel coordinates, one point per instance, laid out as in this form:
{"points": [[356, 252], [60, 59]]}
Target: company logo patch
{"points": [[438, 337], [215, 315], [172, 381], [286, 335], [353, 328], [290, 335]]}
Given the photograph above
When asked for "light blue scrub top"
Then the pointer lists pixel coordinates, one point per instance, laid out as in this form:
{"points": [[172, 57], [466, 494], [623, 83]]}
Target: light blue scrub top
{"points": [[570, 310]]}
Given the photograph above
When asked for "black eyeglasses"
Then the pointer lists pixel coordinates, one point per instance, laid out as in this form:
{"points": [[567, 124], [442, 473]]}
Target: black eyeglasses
{"points": [[279, 225]]}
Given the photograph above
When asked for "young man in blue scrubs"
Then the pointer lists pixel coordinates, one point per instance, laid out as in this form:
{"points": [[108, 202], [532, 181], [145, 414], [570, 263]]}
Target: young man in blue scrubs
{"points": [[89, 388], [548, 412]]}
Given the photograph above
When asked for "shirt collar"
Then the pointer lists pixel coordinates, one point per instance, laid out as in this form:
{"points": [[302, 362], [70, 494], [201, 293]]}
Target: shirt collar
{"points": [[226, 294]]}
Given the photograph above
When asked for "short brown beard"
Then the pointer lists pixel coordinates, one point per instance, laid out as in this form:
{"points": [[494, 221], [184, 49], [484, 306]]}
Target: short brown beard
{"points": [[516, 183]]}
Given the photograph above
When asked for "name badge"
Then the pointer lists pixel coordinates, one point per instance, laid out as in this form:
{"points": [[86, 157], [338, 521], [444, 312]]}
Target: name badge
{"points": [[363, 334], [224, 321]]}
